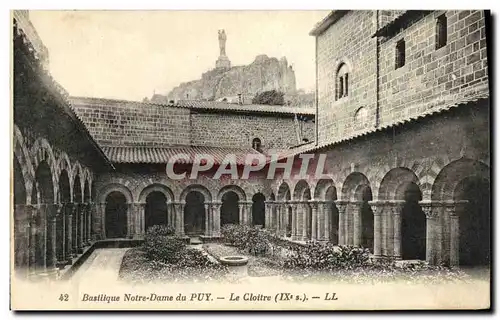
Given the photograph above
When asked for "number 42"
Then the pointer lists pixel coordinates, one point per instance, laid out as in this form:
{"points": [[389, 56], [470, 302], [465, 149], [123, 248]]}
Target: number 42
{"points": [[64, 297]]}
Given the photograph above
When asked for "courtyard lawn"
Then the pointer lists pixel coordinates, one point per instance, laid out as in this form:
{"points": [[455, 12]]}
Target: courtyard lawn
{"points": [[192, 267]]}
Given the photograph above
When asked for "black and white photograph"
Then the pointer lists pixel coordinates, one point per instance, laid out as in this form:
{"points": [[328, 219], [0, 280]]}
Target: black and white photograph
{"points": [[251, 160]]}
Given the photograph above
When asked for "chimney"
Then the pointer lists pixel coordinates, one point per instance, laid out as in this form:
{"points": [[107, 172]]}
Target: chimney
{"points": [[240, 99]]}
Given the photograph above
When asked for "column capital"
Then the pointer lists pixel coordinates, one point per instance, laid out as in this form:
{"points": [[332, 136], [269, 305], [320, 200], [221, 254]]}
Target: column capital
{"points": [[377, 206], [314, 204], [396, 206]]}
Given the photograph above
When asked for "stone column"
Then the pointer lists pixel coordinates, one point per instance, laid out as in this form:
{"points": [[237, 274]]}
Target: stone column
{"points": [[377, 208], [52, 214], [179, 213], [357, 226], [451, 211], [90, 206], [208, 219], [314, 223], [75, 215], [139, 220], [22, 217], [102, 210], [341, 206], [305, 219], [81, 223], [61, 236], [33, 244], [432, 215], [216, 205], [294, 206], [85, 221], [396, 208], [248, 213], [68, 247], [268, 224]]}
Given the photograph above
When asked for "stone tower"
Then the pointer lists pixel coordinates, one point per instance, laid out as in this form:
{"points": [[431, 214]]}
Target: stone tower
{"points": [[223, 61]]}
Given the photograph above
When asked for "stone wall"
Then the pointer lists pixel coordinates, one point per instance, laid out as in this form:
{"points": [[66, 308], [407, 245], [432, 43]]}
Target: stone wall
{"points": [[125, 123], [429, 79], [234, 130], [348, 41]]}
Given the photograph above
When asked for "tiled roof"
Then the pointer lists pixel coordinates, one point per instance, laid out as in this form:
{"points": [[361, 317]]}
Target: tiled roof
{"points": [[204, 105], [141, 154], [431, 109]]}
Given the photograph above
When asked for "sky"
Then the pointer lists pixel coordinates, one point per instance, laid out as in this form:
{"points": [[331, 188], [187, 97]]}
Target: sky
{"points": [[133, 54]]}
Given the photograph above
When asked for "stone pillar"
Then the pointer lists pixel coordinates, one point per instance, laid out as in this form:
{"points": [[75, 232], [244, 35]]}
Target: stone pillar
{"points": [[397, 207], [81, 223], [432, 220], [85, 220], [102, 210], [61, 236], [268, 224], [314, 223], [52, 213], [451, 209], [138, 218], [357, 227], [21, 237], [248, 213], [33, 244], [377, 208], [75, 215], [179, 220], [216, 205], [342, 206], [305, 220], [68, 247], [90, 206], [295, 219], [208, 219]]}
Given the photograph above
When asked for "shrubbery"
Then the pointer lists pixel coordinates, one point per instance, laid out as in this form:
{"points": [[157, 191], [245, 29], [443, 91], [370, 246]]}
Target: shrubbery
{"points": [[166, 257], [326, 256], [161, 244], [250, 239]]}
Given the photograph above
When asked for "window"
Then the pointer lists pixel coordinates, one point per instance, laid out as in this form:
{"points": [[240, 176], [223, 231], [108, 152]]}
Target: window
{"points": [[400, 53], [361, 118], [256, 144], [341, 83], [441, 31]]}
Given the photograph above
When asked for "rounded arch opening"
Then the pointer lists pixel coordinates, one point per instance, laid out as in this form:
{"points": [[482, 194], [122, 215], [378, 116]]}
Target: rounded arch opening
{"points": [[194, 213], [116, 211], [19, 184], [474, 221], [259, 210], [229, 210], [156, 210], [413, 224]]}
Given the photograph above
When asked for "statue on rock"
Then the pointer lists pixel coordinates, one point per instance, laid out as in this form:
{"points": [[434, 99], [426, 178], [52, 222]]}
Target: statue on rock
{"points": [[222, 42]]}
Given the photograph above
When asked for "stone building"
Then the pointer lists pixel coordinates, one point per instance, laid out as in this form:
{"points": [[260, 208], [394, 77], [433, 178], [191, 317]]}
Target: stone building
{"points": [[402, 117]]}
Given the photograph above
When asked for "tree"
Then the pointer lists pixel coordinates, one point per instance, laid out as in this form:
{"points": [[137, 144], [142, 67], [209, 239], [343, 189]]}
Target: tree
{"points": [[272, 97]]}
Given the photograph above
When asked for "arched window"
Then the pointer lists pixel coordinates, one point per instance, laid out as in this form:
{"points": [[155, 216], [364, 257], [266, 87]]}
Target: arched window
{"points": [[342, 82], [361, 118], [256, 144]]}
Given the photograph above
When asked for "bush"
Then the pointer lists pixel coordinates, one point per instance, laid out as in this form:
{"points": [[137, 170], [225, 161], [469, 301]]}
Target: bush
{"points": [[161, 245], [251, 239], [325, 256], [271, 97]]}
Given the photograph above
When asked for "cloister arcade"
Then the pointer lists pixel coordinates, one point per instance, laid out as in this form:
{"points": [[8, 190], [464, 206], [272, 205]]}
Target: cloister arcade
{"points": [[439, 212]]}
